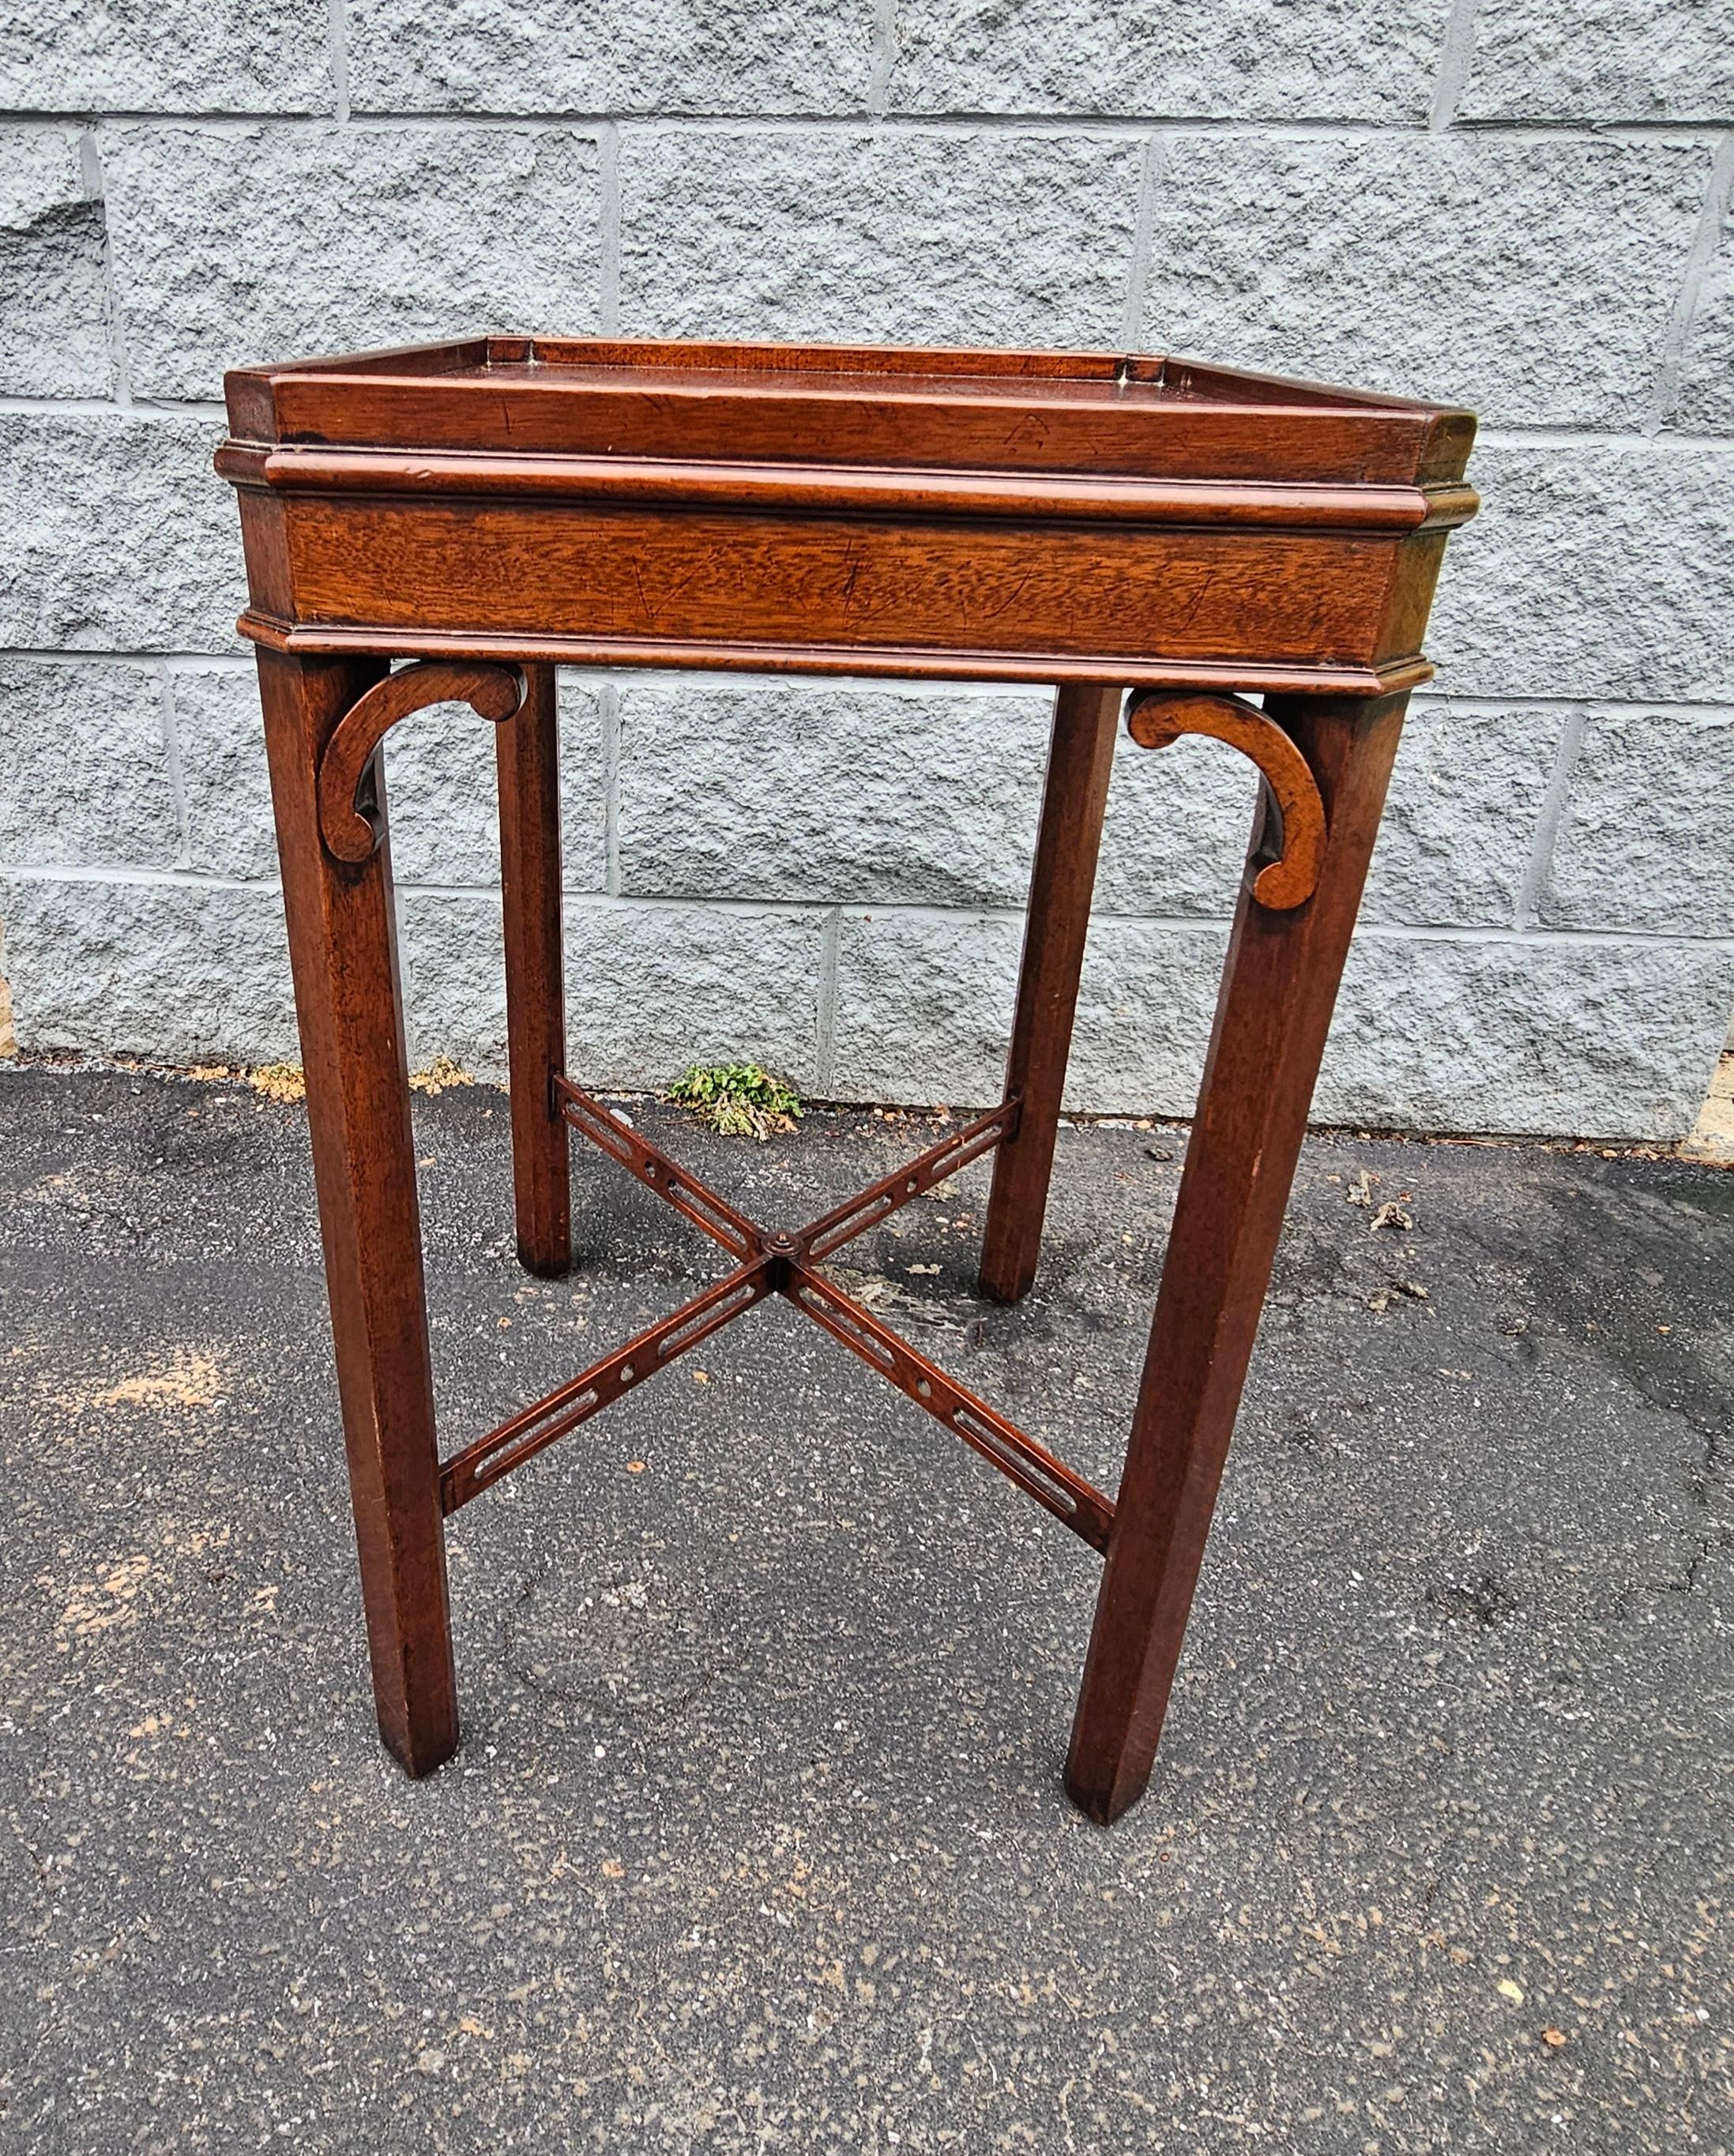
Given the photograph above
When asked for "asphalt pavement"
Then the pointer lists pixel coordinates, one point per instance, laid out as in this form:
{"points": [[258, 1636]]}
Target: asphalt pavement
{"points": [[756, 1840]]}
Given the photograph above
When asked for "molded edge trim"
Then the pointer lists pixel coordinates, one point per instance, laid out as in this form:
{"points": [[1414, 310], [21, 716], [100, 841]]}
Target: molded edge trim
{"points": [[892, 662], [852, 490]]}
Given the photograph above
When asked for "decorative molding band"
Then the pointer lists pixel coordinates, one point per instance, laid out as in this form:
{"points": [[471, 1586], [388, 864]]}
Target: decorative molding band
{"points": [[1154, 720], [1112, 498], [348, 806], [891, 662]]}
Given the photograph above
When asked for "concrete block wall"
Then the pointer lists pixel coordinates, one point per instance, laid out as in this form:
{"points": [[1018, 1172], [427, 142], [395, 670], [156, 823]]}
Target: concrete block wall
{"points": [[1524, 205]]}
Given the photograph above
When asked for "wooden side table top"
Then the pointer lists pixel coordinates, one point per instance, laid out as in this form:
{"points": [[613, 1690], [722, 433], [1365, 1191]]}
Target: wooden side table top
{"points": [[972, 515]]}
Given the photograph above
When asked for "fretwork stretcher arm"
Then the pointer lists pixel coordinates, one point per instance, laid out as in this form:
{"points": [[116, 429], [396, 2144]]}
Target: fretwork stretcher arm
{"points": [[780, 1263]]}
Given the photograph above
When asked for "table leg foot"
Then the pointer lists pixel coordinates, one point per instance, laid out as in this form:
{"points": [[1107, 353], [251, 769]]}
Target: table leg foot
{"points": [[1279, 988]]}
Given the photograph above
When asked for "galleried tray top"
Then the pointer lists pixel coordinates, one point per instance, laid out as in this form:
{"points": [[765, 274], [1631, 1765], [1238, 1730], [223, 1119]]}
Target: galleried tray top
{"points": [[971, 513]]}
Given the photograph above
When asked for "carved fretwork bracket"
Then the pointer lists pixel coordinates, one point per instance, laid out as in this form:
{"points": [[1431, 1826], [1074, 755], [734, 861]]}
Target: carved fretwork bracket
{"points": [[348, 813], [1162, 716]]}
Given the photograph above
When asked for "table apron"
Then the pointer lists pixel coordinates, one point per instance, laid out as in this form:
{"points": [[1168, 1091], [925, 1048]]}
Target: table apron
{"points": [[1134, 599]]}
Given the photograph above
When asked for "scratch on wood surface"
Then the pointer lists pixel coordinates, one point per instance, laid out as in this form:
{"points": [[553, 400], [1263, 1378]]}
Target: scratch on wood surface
{"points": [[1198, 598], [852, 570], [1012, 597]]}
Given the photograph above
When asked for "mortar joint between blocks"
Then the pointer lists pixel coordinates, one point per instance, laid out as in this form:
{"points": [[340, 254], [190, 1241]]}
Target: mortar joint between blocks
{"points": [[1553, 802], [177, 774], [1706, 239], [1457, 53], [825, 1051], [337, 44], [608, 269], [90, 174], [1150, 172], [608, 699]]}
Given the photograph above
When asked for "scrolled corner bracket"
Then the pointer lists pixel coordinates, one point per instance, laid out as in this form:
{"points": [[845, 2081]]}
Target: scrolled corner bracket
{"points": [[1162, 716], [348, 819]]}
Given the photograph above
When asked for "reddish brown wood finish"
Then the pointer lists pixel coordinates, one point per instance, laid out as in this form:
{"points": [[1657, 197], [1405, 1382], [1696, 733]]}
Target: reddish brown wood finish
{"points": [[1081, 520], [346, 823], [688, 586], [783, 1262], [997, 410], [1162, 717], [1278, 989], [1080, 757], [527, 748], [343, 949], [916, 513]]}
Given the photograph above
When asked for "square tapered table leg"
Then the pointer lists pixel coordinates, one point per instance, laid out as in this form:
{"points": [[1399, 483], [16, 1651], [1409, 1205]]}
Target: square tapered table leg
{"points": [[527, 754], [1074, 799], [1279, 988], [343, 953]]}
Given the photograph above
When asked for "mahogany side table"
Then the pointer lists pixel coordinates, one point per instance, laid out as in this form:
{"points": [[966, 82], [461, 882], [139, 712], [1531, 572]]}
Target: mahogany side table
{"points": [[484, 510]]}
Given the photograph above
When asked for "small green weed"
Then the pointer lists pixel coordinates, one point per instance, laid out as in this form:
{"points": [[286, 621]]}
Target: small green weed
{"points": [[737, 1099]]}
